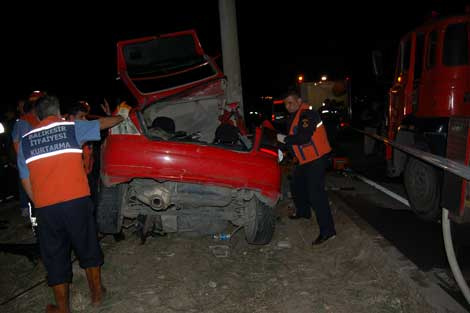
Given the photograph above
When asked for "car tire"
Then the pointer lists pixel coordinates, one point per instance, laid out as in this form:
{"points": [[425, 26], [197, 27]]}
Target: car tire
{"points": [[422, 184], [108, 211], [260, 230]]}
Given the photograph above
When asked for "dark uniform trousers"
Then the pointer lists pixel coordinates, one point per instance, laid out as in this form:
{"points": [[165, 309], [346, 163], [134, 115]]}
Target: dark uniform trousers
{"points": [[64, 226], [308, 191]]}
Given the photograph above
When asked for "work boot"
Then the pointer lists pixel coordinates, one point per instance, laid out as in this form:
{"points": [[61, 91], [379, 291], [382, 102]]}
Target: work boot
{"points": [[322, 239], [61, 295], [97, 290]]}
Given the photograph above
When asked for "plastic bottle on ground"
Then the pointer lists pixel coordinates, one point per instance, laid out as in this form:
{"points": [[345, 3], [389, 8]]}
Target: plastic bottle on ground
{"points": [[221, 236]]}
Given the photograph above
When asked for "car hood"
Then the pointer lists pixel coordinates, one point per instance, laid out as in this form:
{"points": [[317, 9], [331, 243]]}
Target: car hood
{"points": [[157, 67]]}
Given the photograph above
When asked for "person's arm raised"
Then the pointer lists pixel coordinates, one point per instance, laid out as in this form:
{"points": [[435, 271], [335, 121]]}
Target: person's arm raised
{"points": [[107, 122]]}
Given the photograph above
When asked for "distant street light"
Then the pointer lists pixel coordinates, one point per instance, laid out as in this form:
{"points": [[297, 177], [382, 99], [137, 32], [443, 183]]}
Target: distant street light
{"points": [[323, 78], [300, 79]]}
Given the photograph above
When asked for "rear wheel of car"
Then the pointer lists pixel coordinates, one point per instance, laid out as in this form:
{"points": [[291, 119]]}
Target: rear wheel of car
{"points": [[260, 229], [108, 211]]}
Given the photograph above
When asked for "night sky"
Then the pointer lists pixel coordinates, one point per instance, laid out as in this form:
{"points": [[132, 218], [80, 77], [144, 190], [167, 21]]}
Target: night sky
{"points": [[72, 52]]}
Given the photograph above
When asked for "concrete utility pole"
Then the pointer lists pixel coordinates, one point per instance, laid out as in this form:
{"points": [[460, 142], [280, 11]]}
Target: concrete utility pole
{"points": [[230, 51]]}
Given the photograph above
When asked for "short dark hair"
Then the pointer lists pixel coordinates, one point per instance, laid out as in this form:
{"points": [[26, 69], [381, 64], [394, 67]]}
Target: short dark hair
{"points": [[291, 92], [47, 106]]}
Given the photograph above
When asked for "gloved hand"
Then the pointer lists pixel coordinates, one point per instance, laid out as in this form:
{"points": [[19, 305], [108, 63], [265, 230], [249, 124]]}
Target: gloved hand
{"points": [[123, 109], [280, 138]]}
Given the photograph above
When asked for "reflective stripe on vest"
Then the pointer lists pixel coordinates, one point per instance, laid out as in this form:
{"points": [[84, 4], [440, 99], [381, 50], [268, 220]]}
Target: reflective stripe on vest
{"points": [[50, 140], [318, 145]]}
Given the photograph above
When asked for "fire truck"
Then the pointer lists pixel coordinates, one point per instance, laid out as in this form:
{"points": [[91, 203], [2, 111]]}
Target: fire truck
{"points": [[429, 109]]}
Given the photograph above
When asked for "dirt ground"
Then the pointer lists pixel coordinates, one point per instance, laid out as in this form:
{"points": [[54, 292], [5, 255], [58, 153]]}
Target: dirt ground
{"points": [[199, 274]]}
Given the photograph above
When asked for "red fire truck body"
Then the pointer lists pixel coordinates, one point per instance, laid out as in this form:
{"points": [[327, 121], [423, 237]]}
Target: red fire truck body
{"points": [[431, 88]]}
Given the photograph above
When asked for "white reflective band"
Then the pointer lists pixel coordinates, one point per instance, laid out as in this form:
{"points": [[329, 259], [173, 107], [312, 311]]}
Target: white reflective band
{"points": [[48, 127], [46, 155], [320, 124]]}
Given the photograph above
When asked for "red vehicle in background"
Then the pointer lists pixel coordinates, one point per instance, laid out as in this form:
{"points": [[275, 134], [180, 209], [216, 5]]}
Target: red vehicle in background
{"points": [[173, 164], [429, 109]]}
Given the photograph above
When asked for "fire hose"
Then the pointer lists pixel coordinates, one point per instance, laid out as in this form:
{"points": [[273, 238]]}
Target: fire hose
{"points": [[449, 246]]}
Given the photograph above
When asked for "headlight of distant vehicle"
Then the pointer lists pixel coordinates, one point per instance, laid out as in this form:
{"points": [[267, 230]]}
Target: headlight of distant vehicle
{"points": [[2, 129]]}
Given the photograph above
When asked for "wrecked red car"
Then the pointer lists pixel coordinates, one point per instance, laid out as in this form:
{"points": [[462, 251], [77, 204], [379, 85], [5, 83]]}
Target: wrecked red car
{"points": [[172, 166]]}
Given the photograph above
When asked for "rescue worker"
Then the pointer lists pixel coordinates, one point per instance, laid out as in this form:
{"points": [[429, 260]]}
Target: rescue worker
{"points": [[308, 140], [28, 118], [27, 121], [79, 111], [51, 171]]}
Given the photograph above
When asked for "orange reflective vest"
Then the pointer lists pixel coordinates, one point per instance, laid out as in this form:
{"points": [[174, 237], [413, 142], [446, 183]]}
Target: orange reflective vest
{"points": [[31, 119], [54, 159], [318, 145]]}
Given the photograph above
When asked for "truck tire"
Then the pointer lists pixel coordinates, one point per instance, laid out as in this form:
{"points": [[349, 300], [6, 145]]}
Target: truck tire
{"points": [[422, 184], [108, 212], [260, 230]]}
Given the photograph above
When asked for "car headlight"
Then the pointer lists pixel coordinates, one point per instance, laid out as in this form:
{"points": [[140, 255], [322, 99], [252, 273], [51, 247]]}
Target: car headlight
{"points": [[2, 129]]}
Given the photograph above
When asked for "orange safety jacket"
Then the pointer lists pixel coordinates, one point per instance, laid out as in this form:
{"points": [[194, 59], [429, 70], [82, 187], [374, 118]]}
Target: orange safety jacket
{"points": [[31, 118], [54, 159], [318, 145]]}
